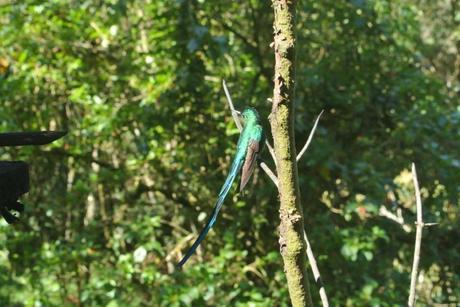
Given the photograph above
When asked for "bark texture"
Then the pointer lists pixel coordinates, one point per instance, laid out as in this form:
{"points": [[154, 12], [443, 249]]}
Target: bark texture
{"points": [[292, 245]]}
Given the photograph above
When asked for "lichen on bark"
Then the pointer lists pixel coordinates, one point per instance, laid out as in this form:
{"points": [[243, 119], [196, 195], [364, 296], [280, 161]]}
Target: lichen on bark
{"points": [[292, 245]]}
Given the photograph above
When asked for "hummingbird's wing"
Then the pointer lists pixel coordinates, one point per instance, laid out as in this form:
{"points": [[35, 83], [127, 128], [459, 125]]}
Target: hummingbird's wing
{"points": [[249, 162]]}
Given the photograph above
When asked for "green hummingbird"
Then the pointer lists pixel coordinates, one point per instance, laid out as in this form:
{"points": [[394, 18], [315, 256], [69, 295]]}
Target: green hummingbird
{"points": [[248, 147]]}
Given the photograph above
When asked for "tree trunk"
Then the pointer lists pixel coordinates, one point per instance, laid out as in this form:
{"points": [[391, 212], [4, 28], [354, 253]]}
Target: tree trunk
{"points": [[292, 245]]}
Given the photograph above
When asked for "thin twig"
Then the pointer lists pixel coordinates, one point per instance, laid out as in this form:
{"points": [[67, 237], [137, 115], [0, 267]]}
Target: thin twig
{"points": [[269, 173], [310, 137], [271, 150], [235, 114], [316, 274], [397, 218], [418, 239], [310, 255]]}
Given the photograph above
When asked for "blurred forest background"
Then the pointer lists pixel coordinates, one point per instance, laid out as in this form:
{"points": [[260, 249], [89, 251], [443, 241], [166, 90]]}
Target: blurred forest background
{"points": [[115, 204]]}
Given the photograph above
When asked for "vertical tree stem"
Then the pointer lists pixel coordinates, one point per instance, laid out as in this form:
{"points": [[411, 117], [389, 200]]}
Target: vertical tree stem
{"points": [[292, 245], [418, 239]]}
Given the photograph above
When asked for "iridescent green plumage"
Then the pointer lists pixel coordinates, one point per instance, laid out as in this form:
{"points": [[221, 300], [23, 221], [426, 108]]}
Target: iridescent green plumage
{"points": [[249, 145]]}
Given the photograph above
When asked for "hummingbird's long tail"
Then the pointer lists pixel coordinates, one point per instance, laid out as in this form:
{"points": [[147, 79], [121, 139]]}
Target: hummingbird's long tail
{"points": [[234, 170]]}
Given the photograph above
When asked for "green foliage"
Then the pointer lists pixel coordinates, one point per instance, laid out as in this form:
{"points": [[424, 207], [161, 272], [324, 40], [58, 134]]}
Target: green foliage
{"points": [[138, 85]]}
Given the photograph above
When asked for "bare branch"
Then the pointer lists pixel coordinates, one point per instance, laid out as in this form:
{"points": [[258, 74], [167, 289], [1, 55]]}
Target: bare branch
{"points": [[310, 255], [397, 218], [310, 137], [271, 150], [235, 114], [315, 270], [418, 239], [269, 173]]}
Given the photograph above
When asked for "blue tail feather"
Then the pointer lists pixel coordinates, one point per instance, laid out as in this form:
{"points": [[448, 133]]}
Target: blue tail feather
{"points": [[234, 170]]}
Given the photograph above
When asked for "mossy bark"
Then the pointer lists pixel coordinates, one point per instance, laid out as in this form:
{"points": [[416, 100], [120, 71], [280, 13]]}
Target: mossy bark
{"points": [[292, 245]]}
